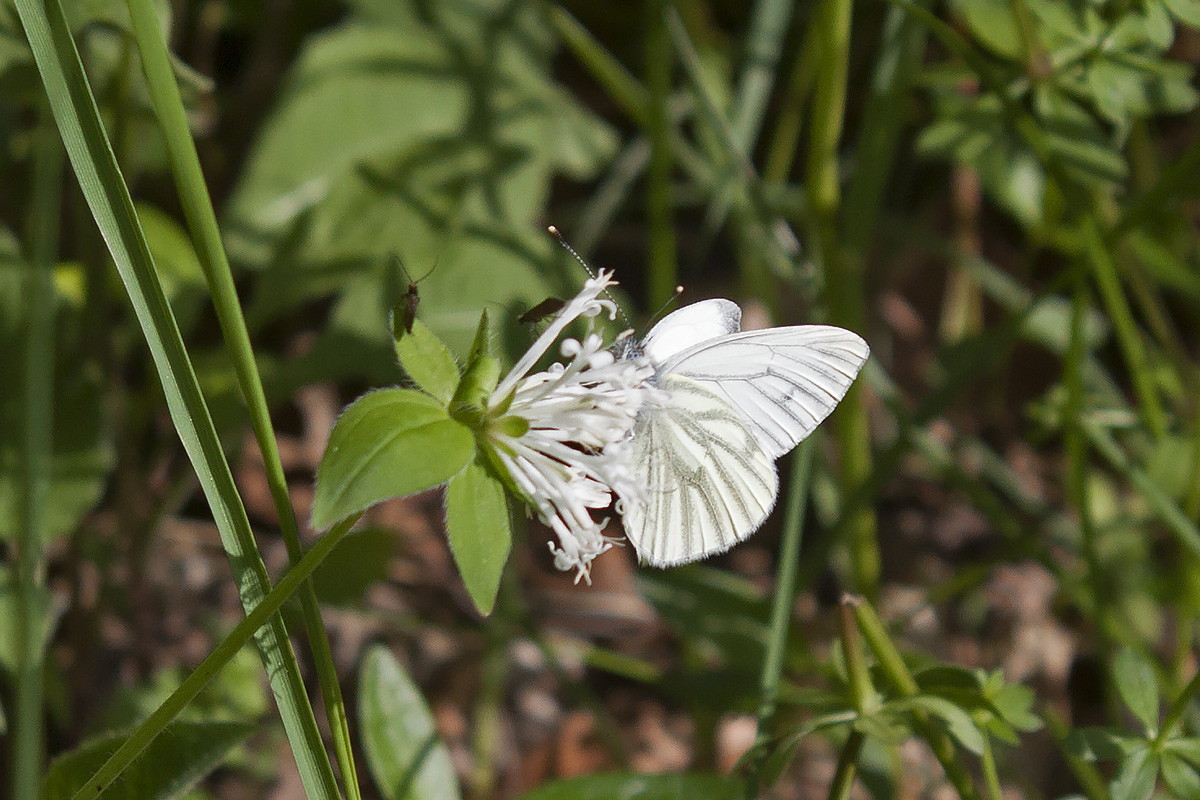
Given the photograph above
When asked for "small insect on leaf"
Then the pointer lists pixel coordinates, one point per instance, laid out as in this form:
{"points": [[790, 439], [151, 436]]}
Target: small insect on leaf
{"points": [[547, 308], [406, 309]]}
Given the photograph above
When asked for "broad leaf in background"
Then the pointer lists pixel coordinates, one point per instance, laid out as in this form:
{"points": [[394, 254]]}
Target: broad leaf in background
{"points": [[477, 519], [459, 187], [404, 753], [389, 443], [170, 766], [630, 786]]}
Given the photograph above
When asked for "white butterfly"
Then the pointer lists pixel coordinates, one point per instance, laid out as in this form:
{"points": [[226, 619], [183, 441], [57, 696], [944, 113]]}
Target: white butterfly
{"points": [[738, 400]]}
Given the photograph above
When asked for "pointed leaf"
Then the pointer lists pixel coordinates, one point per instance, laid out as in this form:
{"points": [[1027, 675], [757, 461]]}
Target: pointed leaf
{"points": [[181, 755], [958, 722], [1135, 779], [480, 531], [1180, 776], [1095, 744], [404, 753], [389, 443], [1138, 685], [628, 786], [1188, 747], [426, 360]]}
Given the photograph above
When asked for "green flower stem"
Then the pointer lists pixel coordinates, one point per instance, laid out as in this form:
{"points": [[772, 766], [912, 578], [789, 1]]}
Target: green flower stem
{"points": [[37, 445], [100, 178], [202, 223], [783, 605], [845, 294], [662, 267], [221, 655], [891, 663]]}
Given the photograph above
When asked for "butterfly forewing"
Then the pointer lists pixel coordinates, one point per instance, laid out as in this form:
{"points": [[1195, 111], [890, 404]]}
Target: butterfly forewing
{"points": [[680, 330], [784, 381], [708, 480]]}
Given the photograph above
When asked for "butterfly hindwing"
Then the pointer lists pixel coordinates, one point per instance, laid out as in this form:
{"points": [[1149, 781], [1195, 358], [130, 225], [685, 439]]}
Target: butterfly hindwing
{"points": [[709, 482], [784, 381]]}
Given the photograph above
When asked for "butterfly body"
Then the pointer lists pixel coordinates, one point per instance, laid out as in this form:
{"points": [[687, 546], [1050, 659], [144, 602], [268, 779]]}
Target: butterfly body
{"points": [[734, 402]]}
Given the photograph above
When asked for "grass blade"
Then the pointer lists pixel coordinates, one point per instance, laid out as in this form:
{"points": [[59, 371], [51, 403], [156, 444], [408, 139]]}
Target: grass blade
{"points": [[202, 223], [221, 655], [103, 186]]}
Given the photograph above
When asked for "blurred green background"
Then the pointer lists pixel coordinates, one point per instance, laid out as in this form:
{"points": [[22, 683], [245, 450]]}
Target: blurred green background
{"points": [[999, 195]]}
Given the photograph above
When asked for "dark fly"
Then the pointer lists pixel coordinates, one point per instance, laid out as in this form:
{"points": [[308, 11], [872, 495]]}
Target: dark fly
{"points": [[547, 308]]}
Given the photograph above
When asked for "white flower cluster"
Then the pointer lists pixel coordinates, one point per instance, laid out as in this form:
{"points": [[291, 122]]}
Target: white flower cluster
{"points": [[573, 458]]}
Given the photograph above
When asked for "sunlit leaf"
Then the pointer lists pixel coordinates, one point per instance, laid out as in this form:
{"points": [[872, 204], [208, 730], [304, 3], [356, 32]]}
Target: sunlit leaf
{"points": [[389, 443], [477, 520], [404, 753], [426, 360]]}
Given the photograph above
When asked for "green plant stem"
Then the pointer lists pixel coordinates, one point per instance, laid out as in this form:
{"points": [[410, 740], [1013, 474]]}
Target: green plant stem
{"points": [[861, 694], [783, 605], [662, 268], [37, 445], [202, 223], [785, 130], [892, 665], [1104, 272], [221, 655], [991, 778], [103, 185], [843, 278], [847, 767], [1076, 447]]}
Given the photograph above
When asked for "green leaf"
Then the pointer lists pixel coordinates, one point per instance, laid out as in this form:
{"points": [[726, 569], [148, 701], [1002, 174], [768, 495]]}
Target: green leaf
{"points": [[426, 360], [958, 722], [388, 443], [1186, 11], [1138, 685], [1188, 747], [179, 757], [1095, 744], [1136, 776], [1180, 776], [477, 520], [994, 24], [404, 753], [628, 786]]}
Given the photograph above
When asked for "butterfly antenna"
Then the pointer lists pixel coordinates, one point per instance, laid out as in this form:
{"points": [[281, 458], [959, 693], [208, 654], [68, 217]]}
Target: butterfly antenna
{"points": [[555, 233], [662, 310]]}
